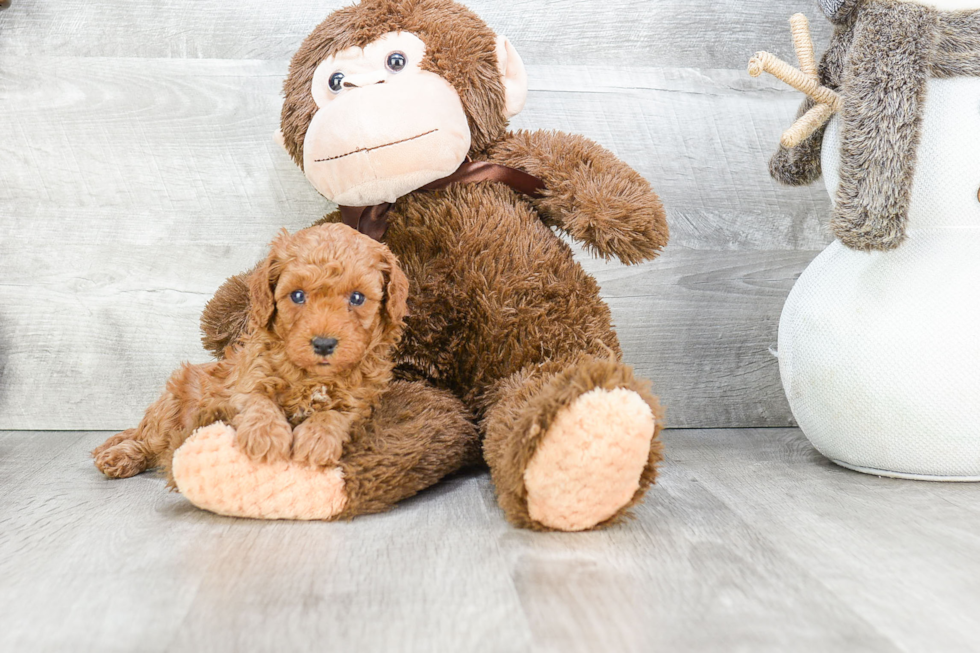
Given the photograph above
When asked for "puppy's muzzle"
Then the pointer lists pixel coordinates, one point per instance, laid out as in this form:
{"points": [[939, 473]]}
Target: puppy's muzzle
{"points": [[324, 346]]}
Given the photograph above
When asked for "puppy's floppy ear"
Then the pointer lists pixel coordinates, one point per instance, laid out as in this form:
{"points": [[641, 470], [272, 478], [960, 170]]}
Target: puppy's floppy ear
{"points": [[396, 290], [262, 284]]}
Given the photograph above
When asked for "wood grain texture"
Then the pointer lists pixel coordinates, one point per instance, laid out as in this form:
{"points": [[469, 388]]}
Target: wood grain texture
{"points": [[750, 541], [102, 144], [901, 555], [664, 33], [700, 324], [123, 214], [137, 171]]}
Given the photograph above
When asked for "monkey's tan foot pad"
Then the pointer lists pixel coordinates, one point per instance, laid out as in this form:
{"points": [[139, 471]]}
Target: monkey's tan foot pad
{"points": [[588, 465], [215, 475]]}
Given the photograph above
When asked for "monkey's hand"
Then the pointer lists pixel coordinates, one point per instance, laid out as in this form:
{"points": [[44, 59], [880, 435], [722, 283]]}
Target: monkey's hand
{"points": [[590, 194], [225, 315]]}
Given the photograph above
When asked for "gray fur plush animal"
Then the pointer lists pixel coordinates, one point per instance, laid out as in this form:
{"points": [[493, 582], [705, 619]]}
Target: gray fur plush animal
{"points": [[878, 351], [881, 56]]}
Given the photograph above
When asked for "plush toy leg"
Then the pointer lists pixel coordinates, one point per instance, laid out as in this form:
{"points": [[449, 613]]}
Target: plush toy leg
{"points": [[416, 436], [214, 474], [572, 447]]}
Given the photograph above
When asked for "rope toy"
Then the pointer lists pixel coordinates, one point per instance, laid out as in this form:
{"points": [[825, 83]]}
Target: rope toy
{"points": [[804, 79]]}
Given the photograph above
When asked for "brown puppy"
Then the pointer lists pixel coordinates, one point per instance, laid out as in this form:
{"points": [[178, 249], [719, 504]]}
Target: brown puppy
{"points": [[327, 307]]}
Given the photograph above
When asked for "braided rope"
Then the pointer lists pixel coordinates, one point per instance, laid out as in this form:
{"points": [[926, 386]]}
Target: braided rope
{"points": [[770, 63], [810, 122], [804, 79], [803, 43]]}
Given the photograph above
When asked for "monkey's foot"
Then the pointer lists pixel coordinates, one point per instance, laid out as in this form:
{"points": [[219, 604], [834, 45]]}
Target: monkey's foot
{"points": [[214, 474], [588, 465]]}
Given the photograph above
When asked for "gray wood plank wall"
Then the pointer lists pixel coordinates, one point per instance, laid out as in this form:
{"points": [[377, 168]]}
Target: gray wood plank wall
{"points": [[137, 171]]}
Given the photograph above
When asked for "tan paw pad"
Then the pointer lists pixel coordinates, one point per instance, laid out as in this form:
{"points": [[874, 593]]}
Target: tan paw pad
{"points": [[214, 474], [588, 464]]}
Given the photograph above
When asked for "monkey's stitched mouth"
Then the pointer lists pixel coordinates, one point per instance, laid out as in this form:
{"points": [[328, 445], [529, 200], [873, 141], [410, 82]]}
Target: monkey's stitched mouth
{"points": [[376, 147]]}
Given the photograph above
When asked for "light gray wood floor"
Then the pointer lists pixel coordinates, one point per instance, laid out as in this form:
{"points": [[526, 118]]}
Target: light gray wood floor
{"points": [[750, 542]]}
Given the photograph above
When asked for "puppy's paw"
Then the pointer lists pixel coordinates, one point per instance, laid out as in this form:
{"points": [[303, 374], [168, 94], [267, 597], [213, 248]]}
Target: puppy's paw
{"points": [[113, 441], [264, 437], [121, 460], [317, 444]]}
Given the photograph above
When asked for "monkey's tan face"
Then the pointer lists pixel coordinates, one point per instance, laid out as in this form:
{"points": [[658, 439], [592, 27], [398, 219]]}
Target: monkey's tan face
{"points": [[384, 127]]}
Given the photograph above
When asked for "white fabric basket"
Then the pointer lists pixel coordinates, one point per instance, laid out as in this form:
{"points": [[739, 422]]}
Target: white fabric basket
{"points": [[879, 352]]}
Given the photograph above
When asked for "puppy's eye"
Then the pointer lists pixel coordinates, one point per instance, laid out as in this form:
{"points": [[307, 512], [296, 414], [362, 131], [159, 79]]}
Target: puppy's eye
{"points": [[336, 82], [357, 299], [298, 297], [396, 62]]}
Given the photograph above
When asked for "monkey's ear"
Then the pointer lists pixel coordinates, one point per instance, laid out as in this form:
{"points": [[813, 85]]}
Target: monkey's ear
{"points": [[262, 285], [838, 11], [279, 138], [513, 75]]}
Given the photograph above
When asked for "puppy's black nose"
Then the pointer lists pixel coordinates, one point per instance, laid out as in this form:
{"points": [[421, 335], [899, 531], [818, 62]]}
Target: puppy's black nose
{"points": [[324, 346]]}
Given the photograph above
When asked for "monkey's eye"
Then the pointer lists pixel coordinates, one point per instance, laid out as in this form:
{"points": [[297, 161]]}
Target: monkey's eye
{"points": [[396, 62], [337, 82], [357, 299], [298, 297]]}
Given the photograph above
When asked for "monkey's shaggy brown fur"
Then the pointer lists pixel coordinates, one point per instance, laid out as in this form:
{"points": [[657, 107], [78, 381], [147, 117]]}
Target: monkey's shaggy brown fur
{"points": [[283, 397], [881, 55], [415, 437], [500, 313], [528, 403]]}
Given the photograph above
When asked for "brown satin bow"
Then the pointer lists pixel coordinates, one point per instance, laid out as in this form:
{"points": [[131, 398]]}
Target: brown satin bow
{"points": [[372, 220]]}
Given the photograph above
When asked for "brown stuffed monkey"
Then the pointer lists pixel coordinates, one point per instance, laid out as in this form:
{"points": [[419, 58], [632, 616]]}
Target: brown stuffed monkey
{"points": [[397, 111]]}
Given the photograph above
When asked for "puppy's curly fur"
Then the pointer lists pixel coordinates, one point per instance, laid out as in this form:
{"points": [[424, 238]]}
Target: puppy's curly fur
{"points": [[286, 395]]}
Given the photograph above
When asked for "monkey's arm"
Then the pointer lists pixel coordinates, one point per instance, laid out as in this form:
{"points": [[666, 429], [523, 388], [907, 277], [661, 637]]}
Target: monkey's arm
{"points": [[590, 194], [225, 315]]}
